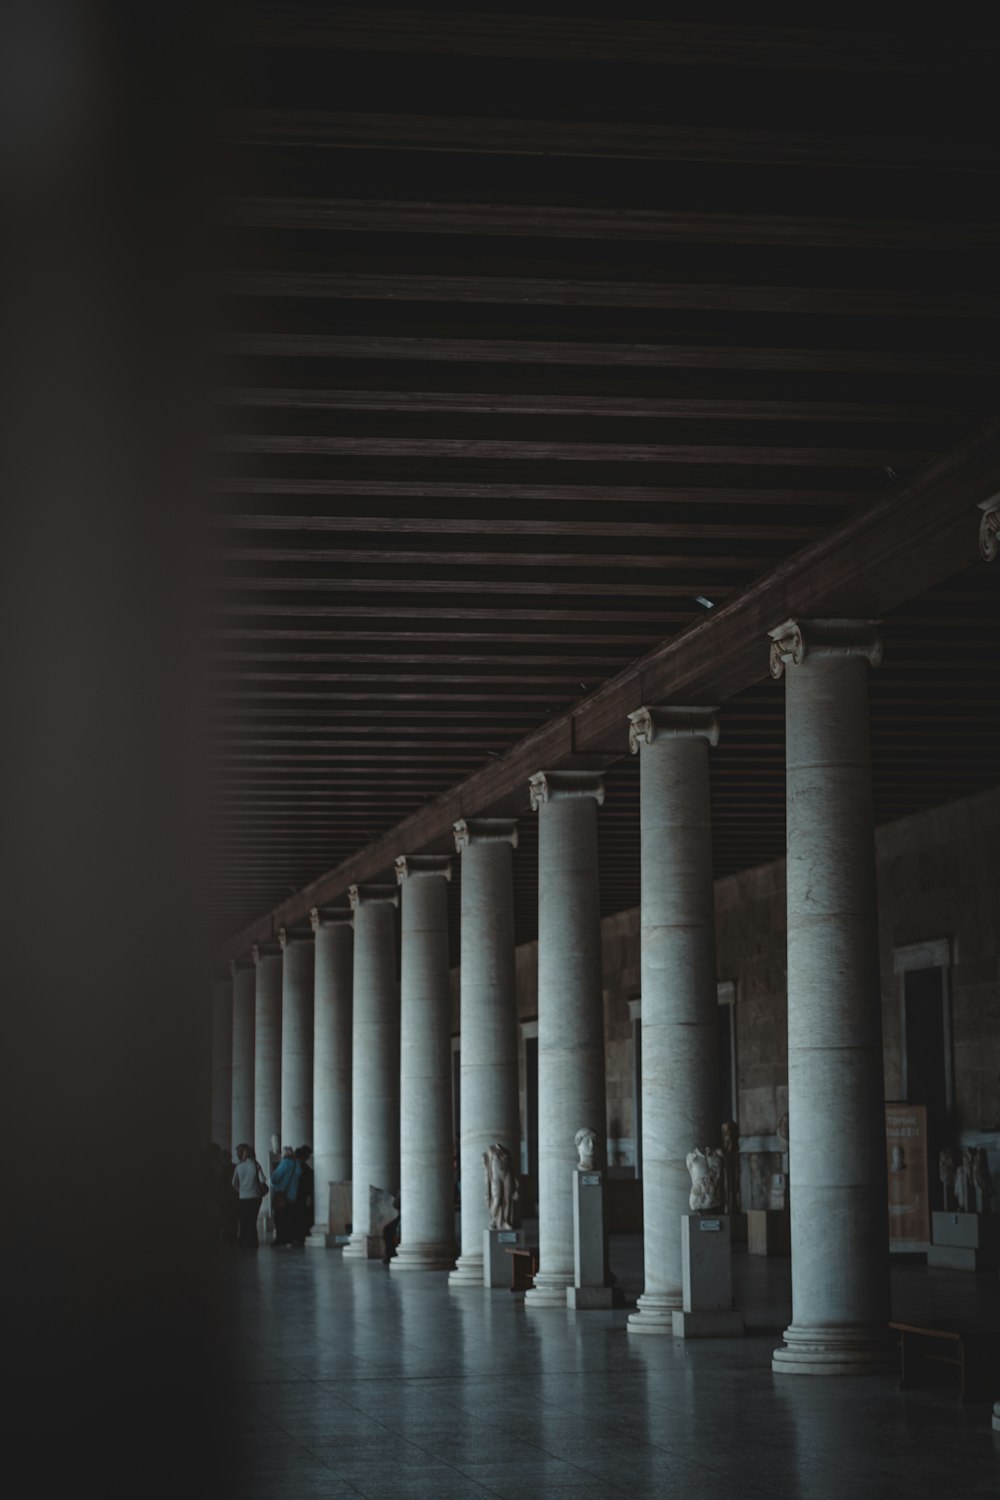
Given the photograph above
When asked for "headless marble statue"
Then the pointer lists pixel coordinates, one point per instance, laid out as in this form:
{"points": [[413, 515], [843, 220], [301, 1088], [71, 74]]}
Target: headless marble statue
{"points": [[705, 1166], [501, 1186]]}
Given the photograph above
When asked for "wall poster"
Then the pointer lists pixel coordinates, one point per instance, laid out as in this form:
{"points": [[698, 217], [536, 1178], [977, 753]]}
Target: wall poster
{"points": [[906, 1164]]}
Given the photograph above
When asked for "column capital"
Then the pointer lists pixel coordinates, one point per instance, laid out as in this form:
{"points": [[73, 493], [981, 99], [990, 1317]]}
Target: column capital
{"points": [[330, 916], [670, 722], [237, 965], [410, 865], [289, 935], [557, 786], [793, 641], [264, 950], [989, 527], [367, 895], [485, 831]]}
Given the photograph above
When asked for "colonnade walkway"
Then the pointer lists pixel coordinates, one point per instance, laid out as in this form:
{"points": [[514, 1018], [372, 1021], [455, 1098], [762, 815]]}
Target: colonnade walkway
{"points": [[349, 1382]]}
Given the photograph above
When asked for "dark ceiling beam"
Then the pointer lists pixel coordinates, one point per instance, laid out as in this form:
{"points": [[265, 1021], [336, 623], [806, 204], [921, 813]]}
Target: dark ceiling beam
{"points": [[635, 225], [554, 291], [478, 557], [570, 494], [924, 532]]}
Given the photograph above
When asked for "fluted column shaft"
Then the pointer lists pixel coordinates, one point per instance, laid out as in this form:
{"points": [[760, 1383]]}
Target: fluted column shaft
{"points": [[680, 1027], [222, 1062], [375, 1075], [297, 1013], [244, 1001], [487, 1022], [425, 1144], [331, 1137], [571, 1091], [267, 1054], [836, 1105]]}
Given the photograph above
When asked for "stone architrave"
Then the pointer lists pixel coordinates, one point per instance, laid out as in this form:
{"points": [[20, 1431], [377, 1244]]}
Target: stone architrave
{"points": [[680, 1025], [426, 1183], [375, 1054], [222, 1062], [487, 1022], [297, 995], [244, 1002], [333, 1019], [267, 960], [836, 1102], [570, 1012]]}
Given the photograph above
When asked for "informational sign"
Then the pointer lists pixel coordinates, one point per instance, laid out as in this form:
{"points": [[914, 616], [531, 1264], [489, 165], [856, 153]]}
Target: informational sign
{"points": [[591, 1179], [710, 1224], [906, 1165]]}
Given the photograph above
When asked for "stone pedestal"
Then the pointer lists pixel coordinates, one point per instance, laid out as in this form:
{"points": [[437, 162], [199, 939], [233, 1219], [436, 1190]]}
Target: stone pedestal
{"points": [[375, 1074], [836, 1101], [426, 1187], [244, 1000], [267, 1060], [706, 1280], [680, 1012], [333, 1011], [297, 1037], [588, 1289], [222, 1063], [487, 1023], [965, 1242], [769, 1231], [570, 1012], [496, 1261]]}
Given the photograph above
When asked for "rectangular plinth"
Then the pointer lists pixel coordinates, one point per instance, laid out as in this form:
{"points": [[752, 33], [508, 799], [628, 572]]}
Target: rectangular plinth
{"points": [[588, 1298], [969, 1231], [588, 1229], [496, 1266], [706, 1263], [707, 1325], [769, 1231]]}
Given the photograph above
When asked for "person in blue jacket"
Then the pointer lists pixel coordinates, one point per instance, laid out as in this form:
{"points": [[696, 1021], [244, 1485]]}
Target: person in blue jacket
{"points": [[285, 1181]]}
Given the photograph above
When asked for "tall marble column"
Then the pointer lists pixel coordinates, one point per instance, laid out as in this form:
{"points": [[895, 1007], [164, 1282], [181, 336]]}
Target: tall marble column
{"points": [[331, 1136], [222, 1062], [244, 1000], [487, 1022], [267, 1056], [375, 1074], [297, 988], [836, 1104], [680, 1024], [570, 1011], [425, 1145]]}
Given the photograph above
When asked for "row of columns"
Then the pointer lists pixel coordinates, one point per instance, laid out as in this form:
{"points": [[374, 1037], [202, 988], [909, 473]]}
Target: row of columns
{"points": [[324, 1024]]}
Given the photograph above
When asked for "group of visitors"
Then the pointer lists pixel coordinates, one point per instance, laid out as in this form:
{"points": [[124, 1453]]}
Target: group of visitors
{"points": [[240, 1193]]}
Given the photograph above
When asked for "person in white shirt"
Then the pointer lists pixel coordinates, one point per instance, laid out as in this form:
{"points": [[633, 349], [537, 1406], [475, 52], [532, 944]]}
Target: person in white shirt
{"points": [[249, 1181]]}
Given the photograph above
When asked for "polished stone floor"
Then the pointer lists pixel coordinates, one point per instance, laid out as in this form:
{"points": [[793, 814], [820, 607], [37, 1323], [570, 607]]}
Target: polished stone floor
{"points": [[351, 1380]]}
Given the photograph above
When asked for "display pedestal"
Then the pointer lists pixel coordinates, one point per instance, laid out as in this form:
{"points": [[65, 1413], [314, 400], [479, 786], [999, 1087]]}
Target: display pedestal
{"points": [[589, 1289], [769, 1231], [965, 1242], [706, 1280], [496, 1261]]}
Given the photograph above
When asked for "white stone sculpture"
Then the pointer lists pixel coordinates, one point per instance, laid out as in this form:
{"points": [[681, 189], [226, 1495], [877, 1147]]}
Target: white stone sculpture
{"points": [[946, 1174], [964, 1190], [585, 1142], [501, 1186], [705, 1165]]}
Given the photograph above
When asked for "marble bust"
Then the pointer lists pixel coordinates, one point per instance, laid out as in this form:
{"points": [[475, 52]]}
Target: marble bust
{"points": [[501, 1186], [585, 1142], [705, 1166]]}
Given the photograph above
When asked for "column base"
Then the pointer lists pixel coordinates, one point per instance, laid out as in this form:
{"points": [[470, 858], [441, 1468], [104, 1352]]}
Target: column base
{"points": [[588, 1298], [550, 1289], [468, 1271], [863, 1350], [707, 1325], [365, 1247], [423, 1258], [655, 1314]]}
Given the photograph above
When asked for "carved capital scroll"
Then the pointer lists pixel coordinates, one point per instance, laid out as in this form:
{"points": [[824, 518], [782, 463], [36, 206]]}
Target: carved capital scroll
{"points": [[647, 725], [989, 528], [793, 641], [485, 831], [552, 786], [410, 865], [330, 916], [366, 895]]}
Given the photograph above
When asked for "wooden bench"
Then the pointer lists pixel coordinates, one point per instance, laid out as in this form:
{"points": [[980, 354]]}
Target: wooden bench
{"points": [[523, 1265], [939, 1347]]}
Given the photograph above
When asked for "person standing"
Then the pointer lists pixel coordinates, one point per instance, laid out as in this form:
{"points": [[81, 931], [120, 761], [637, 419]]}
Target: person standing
{"points": [[304, 1197], [248, 1180], [284, 1193]]}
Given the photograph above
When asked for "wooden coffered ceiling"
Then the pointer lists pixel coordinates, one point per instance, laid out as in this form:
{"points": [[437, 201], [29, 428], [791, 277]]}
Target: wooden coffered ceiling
{"points": [[545, 338]]}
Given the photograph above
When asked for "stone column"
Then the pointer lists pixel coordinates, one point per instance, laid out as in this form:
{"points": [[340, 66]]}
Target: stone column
{"points": [[331, 1139], [425, 1146], [244, 1000], [680, 1024], [836, 1104], [297, 981], [375, 1076], [487, 1022], [570, 1012], [267, 1057], [222, 1062]]}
